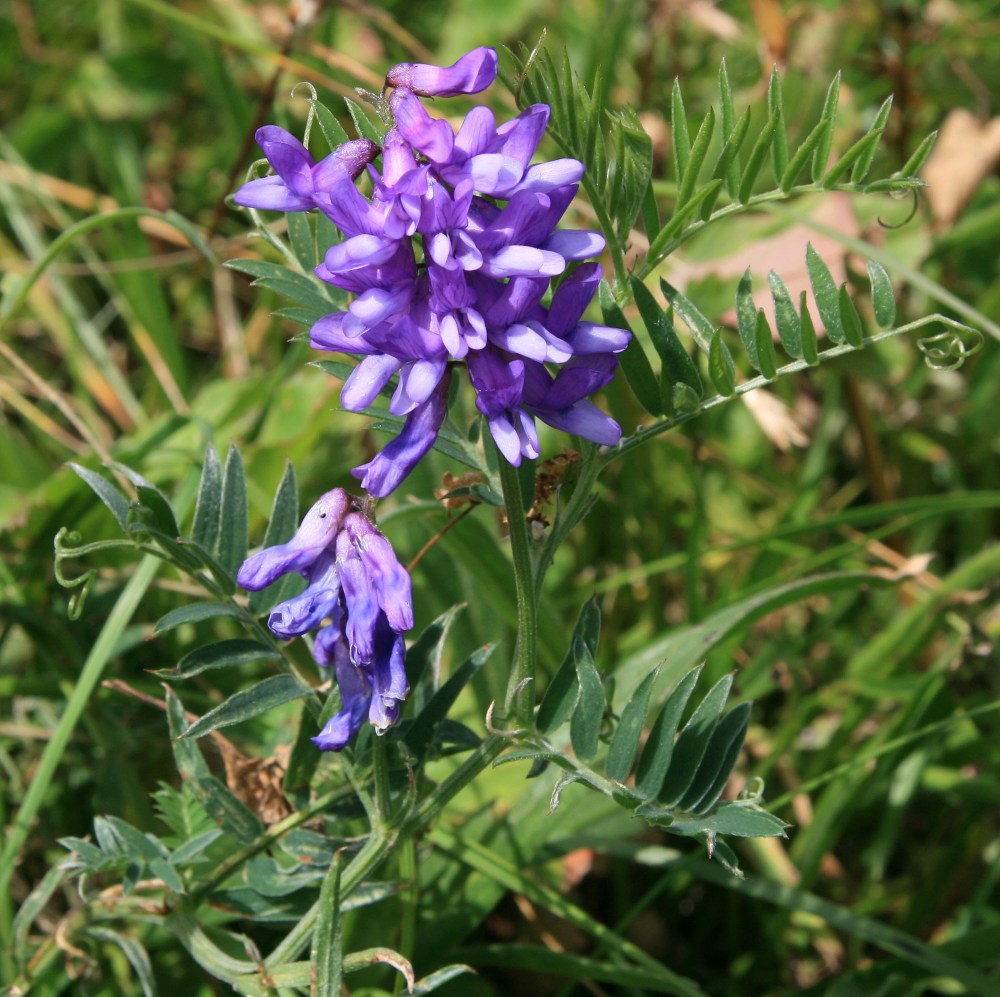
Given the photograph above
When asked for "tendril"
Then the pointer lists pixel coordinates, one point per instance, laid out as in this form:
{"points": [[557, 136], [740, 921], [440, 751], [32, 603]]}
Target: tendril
{"points": [[67, 544], [311, 99], [949, 350], [914, 205]]}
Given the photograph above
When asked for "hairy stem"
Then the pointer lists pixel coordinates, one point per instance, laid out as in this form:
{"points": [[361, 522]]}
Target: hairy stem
{"points": [[520, 695]]}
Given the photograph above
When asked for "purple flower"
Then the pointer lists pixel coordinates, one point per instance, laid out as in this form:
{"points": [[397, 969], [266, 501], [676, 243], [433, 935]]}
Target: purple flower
{"points": [[475, 71], [449, 262], [315, 534], [384, 472], [298, 177], [359, 598]]}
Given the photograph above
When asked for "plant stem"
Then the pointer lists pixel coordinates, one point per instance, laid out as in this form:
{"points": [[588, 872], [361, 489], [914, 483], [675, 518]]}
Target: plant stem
{"points": [[273, 833], [374, 850], [436, 800], [411, 900], [520, 695], [380, 775]]}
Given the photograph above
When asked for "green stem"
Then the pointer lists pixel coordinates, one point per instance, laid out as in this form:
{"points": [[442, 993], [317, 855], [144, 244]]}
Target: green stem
{"points": [[380, 775], [520, 695], [375, 849], [379, 845], [411, 900], [647, 433], [436, 800], [273, 833]]}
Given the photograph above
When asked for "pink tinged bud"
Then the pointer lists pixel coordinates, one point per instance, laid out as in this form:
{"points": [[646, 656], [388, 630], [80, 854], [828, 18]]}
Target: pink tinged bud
{"points": [[474, 72], [433, 137], [356, 155], [317, 530]]}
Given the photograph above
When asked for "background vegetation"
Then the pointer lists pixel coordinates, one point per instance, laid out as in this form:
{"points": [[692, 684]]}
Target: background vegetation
{"points": [[875, 724]]}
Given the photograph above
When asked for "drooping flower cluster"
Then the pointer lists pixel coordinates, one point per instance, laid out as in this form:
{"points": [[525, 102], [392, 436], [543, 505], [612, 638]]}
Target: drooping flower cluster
{"points": [[358, 600], [450, 260]]}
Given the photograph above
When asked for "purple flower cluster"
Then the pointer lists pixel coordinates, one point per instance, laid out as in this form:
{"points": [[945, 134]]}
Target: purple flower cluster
{"points": [[451, 260], [358, 600]]}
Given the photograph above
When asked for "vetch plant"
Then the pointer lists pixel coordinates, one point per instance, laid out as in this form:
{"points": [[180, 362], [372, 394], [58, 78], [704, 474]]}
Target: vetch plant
{"points": [[453, 267], [359, 599], [450, 261]]}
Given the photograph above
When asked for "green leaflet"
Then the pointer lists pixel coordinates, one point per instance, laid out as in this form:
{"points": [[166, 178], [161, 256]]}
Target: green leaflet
{"points": [[281, 528], [222, 654], [248, 703], [659, 749], [232, 544], [692, 744], [563, 692], [208, 506]]}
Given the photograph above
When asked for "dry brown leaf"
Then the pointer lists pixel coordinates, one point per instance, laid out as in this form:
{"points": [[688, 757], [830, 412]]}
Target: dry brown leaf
{"points": [[454, 482], [781, 425], [773, 27], [715, 21], [967, 150]]}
